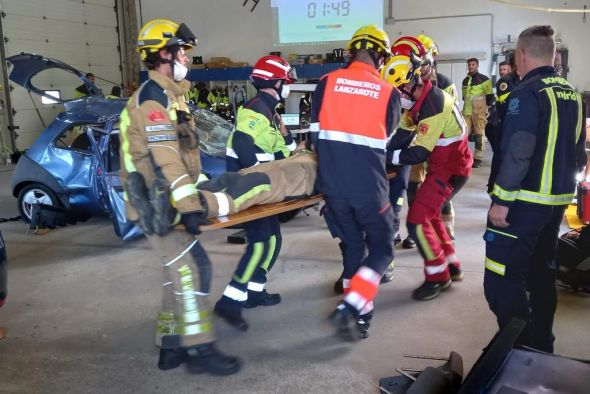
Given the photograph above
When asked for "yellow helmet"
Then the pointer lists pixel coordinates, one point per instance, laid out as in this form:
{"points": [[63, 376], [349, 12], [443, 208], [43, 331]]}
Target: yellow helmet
{"points": [[429, 44], [370, 37], [400, 70], [161, 33]]}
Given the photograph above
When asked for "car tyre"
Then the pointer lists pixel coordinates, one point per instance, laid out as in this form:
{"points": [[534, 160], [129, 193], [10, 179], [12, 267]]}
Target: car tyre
{"points": [[35, 193]]}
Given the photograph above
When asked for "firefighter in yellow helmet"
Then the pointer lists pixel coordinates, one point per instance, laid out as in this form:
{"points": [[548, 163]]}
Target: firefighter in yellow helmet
{"points": [[354, 112], [160, 163], [445, 83]]}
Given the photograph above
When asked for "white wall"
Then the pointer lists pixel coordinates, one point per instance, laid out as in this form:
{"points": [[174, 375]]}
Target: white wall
{"points": [[225, 28]]}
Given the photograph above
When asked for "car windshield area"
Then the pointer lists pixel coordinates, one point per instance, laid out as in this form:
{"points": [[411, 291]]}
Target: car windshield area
{"points": [[75, 137], [213, 132]]}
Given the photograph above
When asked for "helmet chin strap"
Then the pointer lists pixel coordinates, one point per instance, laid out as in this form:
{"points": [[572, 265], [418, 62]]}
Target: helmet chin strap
{"points": [[375, 57]]}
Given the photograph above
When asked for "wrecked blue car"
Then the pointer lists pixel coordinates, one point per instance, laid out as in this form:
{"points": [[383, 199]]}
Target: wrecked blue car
{"points": [[73, 165]]}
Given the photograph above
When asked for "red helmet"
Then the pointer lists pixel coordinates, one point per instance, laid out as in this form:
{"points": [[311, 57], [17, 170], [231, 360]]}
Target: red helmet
{"points": [[408, 44], [272, 67]]}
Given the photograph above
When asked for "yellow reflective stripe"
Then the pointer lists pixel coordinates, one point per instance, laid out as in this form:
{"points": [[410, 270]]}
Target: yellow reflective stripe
{"points": [[547, 174], [184, 191], [172, 115], [580, 118], [400, 201], [496, 267], [504, 194], [272, 243], [545, 199], [502, 233], [251, 193], [257, 250], [190, 305], [502, 98], [428, 253], [125, 196], [202, 178], [125, 122]]}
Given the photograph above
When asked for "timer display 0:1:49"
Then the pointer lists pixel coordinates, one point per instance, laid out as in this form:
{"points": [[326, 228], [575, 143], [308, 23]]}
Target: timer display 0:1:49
{"points": [[339, 8]]}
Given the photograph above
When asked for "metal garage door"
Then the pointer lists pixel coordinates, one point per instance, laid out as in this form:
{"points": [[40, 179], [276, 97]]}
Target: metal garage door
{"points": [[82, 33]]}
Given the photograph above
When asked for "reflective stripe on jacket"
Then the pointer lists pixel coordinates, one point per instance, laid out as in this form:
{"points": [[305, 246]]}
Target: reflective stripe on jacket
{"points": [[543, 138], [353, 114]]}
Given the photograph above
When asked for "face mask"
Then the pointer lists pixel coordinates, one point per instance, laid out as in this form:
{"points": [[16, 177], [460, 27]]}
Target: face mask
{"points": [[285, 90], [407, 104], [180, 71]]}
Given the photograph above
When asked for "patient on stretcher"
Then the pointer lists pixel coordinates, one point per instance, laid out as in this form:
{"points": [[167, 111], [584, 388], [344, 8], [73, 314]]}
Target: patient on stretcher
{"points": [[265, 183]]}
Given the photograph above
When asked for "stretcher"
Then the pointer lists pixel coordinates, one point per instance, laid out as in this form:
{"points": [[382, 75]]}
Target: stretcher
{"points": [[261, 211], [265, 210]]}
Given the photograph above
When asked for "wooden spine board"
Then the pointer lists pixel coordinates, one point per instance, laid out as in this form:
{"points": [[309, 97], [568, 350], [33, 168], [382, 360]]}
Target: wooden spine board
{"points": [[265, 210]]}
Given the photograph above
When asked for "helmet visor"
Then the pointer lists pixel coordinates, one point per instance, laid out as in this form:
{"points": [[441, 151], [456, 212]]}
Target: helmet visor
{"points": [[186, 36], [292, 75]]}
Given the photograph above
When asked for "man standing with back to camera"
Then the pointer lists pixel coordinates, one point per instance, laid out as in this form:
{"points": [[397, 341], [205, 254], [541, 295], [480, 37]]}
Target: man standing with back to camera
{"points": [[354, 112], [542, 150]]}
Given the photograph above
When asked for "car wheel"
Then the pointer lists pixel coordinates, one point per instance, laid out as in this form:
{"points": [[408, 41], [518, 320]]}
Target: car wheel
{"points": [[34, 193]]}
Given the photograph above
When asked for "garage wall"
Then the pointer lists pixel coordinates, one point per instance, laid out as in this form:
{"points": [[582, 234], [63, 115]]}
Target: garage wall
{"points": [[225, 28], [81, 33]]}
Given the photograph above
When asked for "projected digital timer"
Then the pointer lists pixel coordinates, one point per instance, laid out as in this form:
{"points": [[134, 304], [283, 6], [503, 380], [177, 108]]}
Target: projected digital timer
{"points": [[328, 8]]}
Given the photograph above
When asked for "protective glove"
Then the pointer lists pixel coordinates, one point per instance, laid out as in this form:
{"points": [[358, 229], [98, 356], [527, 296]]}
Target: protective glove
{"points": [[192, 222]]}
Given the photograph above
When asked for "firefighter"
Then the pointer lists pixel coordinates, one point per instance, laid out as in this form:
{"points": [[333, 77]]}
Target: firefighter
{"points": [[504, 87], [353, 114], [440, 137], [428, 71], [259, 136], [159, 164], [84, 89], [477, 97], [542, 150]]}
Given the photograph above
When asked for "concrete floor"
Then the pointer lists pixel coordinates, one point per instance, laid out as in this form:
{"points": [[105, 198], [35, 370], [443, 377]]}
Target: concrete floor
{"points": [[81, 308]]}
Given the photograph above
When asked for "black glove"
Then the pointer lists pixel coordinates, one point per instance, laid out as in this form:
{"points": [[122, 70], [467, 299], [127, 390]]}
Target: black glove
{"points": [[192, 221]]}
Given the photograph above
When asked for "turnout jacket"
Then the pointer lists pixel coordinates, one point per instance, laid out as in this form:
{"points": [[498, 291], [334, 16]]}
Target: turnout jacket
{"points": [[440, 135], [256, 137], [149, 131], [353, 114], [476, 86], [504, 86], [445, 83], [543, 139]]}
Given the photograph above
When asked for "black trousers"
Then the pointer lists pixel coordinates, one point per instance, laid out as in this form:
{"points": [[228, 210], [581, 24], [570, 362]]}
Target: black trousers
{"points": [[521, 258]]}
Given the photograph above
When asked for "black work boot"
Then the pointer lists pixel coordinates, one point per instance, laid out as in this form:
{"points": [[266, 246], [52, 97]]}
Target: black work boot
{"points": [[429, 290], [338, 286], [231, 311], [261, 298], [207, 359], [456, 272], [171, 358], [344, 319], [409, 243], [397, 239], [363, 322], [388, 274]]}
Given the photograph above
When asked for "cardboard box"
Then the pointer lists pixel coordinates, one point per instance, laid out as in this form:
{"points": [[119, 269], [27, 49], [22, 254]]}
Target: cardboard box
{"points": [[220, 59]]}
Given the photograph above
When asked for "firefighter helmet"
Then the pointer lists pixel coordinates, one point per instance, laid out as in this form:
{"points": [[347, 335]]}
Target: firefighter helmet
{"points": [[429, 44], [272, 68], [162, 33], [400, 70], [370, 37], [406, 45]]}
